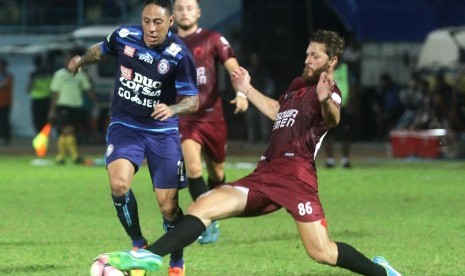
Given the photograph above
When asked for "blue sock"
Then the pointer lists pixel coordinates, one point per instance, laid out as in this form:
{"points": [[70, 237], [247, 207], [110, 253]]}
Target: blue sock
{"points": [[126, 209]]}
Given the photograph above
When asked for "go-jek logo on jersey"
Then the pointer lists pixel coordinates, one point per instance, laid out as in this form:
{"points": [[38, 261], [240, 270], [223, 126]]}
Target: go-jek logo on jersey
{"points": [[285, 118], [131, 87]]}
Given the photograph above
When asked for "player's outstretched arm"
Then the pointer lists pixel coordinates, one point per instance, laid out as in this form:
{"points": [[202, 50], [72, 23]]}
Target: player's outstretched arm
{"points": [[240, 79], [240, 100], [92, 55]]}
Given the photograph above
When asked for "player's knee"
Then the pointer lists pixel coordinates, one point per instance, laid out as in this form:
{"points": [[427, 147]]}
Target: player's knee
{"points": [[320, 256], [119, 185], [196, 209], [194, 170], [168, 210]]}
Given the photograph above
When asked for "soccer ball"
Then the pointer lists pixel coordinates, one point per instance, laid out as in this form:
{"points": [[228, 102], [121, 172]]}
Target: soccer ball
{"points": [[101, 267]]}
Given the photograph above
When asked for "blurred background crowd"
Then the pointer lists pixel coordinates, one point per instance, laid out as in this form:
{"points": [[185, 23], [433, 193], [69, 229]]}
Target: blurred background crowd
{"points": [[403, 66]]}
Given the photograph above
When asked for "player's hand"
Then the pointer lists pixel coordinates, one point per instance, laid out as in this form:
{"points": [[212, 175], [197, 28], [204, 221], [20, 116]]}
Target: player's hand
{"points": [[240, 79], [324, 87], [241, 104], [162, 112], [73, 65]]}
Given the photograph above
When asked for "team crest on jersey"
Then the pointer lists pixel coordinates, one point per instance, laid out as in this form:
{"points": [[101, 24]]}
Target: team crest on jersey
{"points": [[129, 51], [146, 57], [126, 73], [163, 66], [110, 149], [197, 51], [173, 49]]}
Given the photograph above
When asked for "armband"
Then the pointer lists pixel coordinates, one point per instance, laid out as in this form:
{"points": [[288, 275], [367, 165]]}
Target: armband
{"points": [[240, 94]]}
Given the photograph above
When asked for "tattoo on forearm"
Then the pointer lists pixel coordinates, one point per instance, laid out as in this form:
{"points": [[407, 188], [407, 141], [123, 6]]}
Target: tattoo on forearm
{"points": [[187, 105], [92, 54]]}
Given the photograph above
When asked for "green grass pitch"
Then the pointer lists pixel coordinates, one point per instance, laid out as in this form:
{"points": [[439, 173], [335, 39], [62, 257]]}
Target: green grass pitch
{"points": [[56, 219]]}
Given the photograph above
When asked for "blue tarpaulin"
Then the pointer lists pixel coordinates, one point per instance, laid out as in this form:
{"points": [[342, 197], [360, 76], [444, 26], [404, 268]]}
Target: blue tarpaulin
{"points": [[399, 20]]}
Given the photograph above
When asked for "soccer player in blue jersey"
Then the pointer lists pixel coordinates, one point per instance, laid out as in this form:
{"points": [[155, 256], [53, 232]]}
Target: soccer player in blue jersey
{"points": [[286, 174], [156, 81]]}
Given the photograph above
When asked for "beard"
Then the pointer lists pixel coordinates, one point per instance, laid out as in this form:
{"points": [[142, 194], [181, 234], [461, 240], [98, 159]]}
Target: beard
{"points": [[186, 27], [312, 77]]}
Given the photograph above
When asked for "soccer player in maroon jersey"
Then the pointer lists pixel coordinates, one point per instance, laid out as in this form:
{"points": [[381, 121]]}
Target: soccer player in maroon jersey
{"points": [[204, 132], [285, 176]]}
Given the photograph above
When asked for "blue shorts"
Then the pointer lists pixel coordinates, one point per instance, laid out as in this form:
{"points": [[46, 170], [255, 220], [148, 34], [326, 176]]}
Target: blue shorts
{"points": [[163, 153]]}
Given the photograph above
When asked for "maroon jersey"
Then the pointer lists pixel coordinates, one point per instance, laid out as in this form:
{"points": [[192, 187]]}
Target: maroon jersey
{"points": [[299, 126], [208, 49], [286, 176]]}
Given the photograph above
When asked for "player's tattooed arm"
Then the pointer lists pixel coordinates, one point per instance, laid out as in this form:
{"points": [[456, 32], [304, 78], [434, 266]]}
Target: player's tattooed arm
{"points": [[92, 55], [187, 105]]}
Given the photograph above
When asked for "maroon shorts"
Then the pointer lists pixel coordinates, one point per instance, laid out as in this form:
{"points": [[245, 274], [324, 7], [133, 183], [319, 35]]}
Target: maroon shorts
{"points": [[210, 135], [285, 182]]}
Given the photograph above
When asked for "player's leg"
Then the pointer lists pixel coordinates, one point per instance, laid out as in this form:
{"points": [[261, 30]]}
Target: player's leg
{"points": [[216, 175], [71, 140], [120, 173], [166, 166], [214, 154], [123, 158], [223, 202], [320, 248], [193, 160], [220, 203], [172, 215]]}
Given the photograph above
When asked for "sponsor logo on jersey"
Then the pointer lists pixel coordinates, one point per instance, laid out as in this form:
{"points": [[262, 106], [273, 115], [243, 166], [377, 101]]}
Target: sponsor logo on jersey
{"points": [[125, 32], [129, 51], [134, 87], [173, 49], [163, 66], [201, 76], [285, 118], [126, 72], [146, 57]]}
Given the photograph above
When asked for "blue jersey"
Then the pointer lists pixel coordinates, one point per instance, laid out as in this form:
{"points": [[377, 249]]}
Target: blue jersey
{"points": [[148, 76]]}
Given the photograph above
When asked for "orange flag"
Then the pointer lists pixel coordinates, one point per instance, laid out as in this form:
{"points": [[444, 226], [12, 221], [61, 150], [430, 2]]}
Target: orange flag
{"points": [[40, 142]]}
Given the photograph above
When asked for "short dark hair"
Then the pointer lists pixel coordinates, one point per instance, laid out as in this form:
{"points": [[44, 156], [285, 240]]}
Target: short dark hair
{"points": [[162, 3], [333, 42]]}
